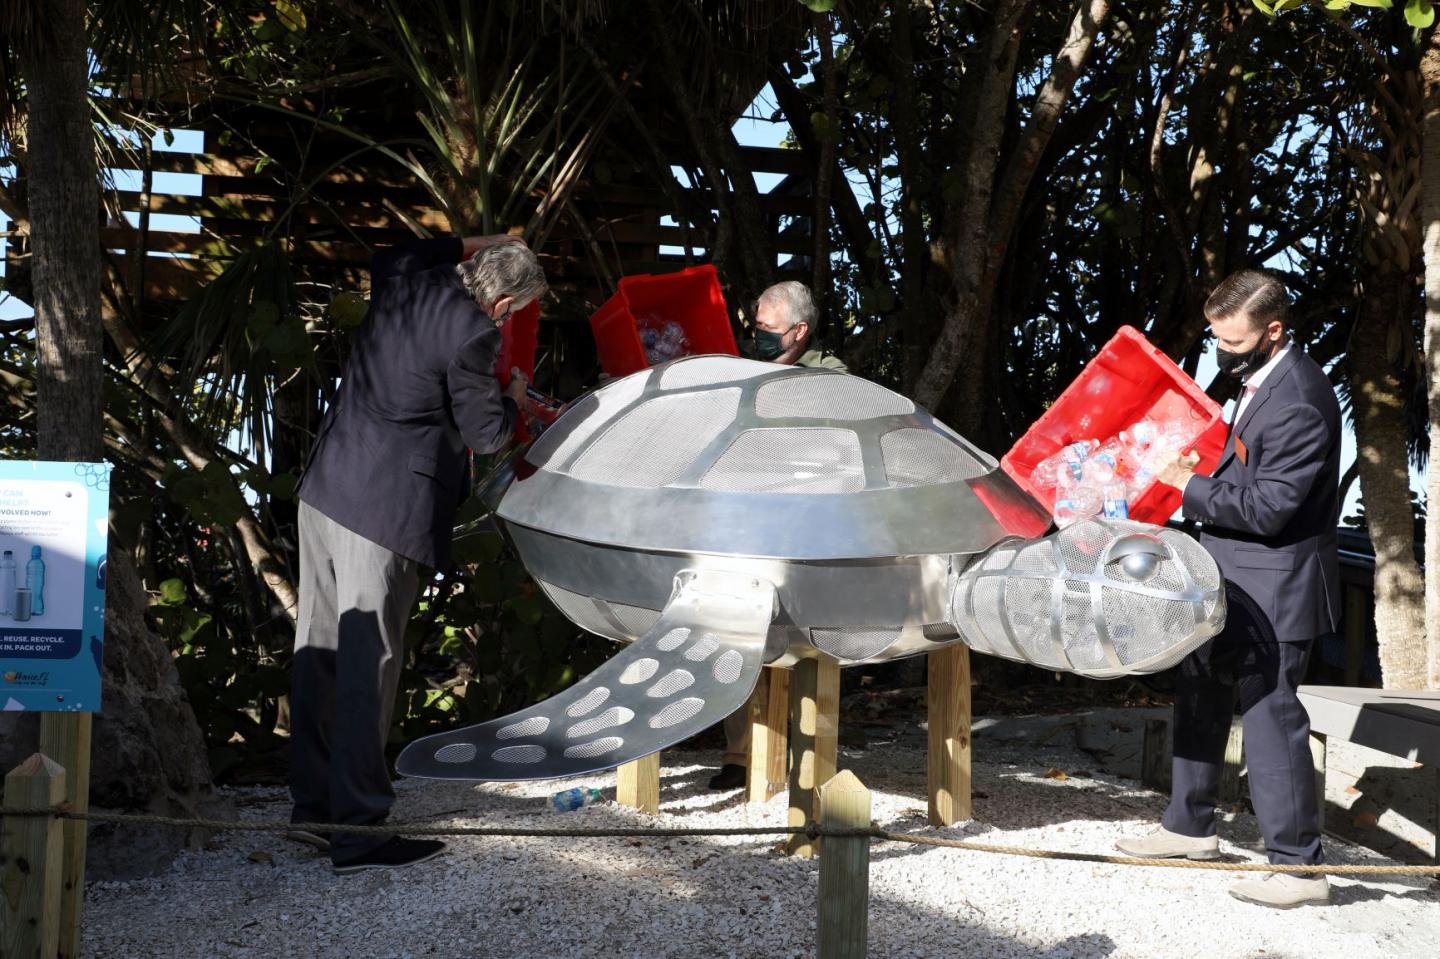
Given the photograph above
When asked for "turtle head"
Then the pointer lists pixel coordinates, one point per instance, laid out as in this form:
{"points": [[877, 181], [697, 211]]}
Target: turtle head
{"points": [[1102, 598]]}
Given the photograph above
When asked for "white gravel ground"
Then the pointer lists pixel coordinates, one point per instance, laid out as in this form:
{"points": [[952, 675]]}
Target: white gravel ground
{"points": [[255, 895]]}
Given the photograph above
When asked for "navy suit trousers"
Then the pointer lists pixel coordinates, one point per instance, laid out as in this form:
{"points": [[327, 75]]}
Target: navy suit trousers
{"points": [[1246, 663]]}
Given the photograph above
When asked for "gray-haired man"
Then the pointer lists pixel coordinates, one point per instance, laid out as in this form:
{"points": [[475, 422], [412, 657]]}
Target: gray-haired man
{"points": [[785, 320], [377, 501]]}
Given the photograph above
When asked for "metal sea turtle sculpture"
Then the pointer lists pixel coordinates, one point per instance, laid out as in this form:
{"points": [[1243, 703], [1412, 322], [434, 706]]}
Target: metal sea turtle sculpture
{"points": [[719, 514]]}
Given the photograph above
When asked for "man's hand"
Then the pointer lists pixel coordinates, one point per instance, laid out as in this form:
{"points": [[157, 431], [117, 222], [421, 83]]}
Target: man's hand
{"points": [[1178, 471], [474, 244], [516, 388]]}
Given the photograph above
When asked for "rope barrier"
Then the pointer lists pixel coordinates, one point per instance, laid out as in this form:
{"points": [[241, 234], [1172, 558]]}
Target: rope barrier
{"points": [[812, 831]]}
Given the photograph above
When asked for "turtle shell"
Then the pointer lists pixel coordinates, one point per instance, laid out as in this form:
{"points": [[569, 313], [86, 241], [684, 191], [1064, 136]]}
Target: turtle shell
{"points": [[728, 456]]}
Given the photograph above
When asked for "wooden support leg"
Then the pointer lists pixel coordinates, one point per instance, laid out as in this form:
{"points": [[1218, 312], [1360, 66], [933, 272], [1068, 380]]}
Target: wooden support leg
{"points": [[65, 738], [637, 784], [844, 895], [1234, 762], [814, 726], [769, 734], [31, 862], [948, 759]]}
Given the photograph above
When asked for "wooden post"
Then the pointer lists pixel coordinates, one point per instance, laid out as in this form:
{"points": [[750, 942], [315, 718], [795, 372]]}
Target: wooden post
{"points": [[1234, 762], [948, 758], [637, 784], [31, 858], [769, 736], [814, 722], [844, 894], [65, 738], [1155, 756]]}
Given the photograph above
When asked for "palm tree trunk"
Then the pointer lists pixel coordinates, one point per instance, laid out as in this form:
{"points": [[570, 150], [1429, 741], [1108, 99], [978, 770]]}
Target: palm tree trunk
{"points": [[1380, 432], [64, 204], [149, 752], [1430, 212]]}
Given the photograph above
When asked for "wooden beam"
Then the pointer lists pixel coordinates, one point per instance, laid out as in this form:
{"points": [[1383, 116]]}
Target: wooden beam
{"points": [[637, 784], [948, 756], [814, 729], [769, 738], [1229, 789]]}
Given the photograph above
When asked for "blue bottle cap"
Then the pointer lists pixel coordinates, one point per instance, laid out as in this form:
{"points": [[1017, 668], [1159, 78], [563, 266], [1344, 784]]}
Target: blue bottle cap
{"points": [[34, 552]]}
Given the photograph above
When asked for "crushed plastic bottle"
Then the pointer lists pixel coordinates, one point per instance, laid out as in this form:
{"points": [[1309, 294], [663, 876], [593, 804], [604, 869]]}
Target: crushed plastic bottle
{"points": [[572, 799], [664, 340]]}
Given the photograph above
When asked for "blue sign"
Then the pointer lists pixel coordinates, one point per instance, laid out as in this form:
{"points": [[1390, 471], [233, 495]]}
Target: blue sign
{"points": [[54, 521]]}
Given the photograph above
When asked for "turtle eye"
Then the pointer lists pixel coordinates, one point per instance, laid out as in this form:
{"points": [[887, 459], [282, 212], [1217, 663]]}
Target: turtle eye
{"points": [[1137, 556]]}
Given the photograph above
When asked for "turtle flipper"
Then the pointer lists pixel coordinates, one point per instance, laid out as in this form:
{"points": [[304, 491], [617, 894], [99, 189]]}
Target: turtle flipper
{"points": [[697, 665]]}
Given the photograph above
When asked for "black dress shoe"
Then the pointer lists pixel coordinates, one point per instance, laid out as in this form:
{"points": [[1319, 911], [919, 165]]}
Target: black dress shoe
{"points": [[397, 853], [730, 776]]}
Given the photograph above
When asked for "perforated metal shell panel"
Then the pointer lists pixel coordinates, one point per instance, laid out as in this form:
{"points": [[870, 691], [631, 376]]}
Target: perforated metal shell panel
{"points": [[790, 461], [915, 457], [628, 454], [828, 398]]}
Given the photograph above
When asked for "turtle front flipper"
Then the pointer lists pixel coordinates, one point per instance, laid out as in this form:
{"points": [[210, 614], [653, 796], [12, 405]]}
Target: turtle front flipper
{"points": [[697, 665]]}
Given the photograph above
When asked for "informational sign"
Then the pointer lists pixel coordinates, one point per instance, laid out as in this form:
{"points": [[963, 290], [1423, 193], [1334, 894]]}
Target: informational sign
{"points": [[54, 518]]}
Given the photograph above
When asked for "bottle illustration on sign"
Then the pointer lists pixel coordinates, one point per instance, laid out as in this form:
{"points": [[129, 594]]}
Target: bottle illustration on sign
{"points": [[7, 583], [35, 581]]}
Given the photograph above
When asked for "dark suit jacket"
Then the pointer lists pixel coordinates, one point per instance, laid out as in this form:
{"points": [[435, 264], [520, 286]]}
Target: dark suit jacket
{"points": [[1270, 520], [388, 462]]}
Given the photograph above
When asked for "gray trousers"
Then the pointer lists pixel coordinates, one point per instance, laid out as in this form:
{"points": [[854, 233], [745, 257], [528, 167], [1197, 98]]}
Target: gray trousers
{"points": [[1246, 663], [355, 600]]}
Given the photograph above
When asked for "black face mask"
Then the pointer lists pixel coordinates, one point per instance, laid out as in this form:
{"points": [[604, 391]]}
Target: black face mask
{"points": [[768, 345], [1239, 364]]}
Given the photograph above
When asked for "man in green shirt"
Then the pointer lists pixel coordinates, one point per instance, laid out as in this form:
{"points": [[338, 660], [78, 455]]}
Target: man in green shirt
{"points": [[785, 319]]}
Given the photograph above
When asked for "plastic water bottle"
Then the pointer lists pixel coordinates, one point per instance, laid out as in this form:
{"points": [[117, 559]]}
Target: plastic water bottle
{"points": [[35, 581], [1100, 468], [7, 582], [572, 799], [1069, 460], [1117, 504], [1088, 500], [1064, 513]]}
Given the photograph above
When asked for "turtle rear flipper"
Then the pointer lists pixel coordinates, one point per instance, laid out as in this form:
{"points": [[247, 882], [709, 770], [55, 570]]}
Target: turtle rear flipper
{"points": [[695, 666]]}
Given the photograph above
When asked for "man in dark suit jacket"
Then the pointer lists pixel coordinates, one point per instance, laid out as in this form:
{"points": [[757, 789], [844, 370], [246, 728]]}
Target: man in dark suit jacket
{"points": [[1269, 512], [377, 501]]}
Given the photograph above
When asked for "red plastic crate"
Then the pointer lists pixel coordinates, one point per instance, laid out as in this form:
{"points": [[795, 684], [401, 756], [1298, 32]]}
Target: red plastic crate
{"points": [[690, 297], [1127, 381], [519, 338]]}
